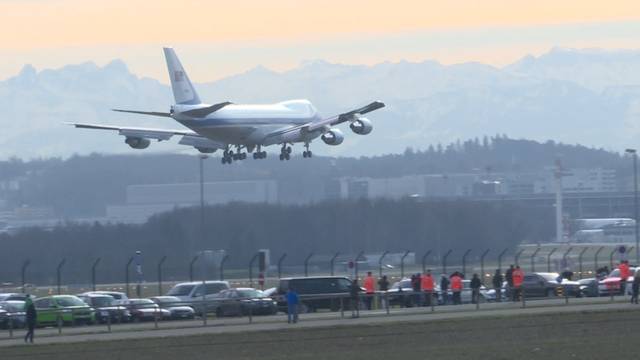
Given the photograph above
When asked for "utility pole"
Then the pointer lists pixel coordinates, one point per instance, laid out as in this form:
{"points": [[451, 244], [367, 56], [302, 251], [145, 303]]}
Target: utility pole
{"points": [[634, 154], [558, 174]]}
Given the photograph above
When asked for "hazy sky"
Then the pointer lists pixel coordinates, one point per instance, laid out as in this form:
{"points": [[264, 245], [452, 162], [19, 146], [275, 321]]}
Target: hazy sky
{"points": [[220, 38]]}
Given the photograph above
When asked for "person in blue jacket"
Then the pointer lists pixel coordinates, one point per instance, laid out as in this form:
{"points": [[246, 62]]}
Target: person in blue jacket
{"points": [[292, 306]]}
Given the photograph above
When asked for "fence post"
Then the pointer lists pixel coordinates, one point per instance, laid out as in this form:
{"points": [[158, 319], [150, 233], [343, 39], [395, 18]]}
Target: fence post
{"points": [[406, 253], [191, 263], [464, 262], [126, 275], [160, 274], [517, 257], [595, 258], [611, 257], [424, 261], [280, 260], [564, 256], [380, 263], [25, 265], [444, 261], [93, 273], [253, 259], [59, 274], [221, 269], [482, 263], [306, 264], [356, 263], [580, 260], [500, 258], [332, 262], [549, 259], [533, 259]]}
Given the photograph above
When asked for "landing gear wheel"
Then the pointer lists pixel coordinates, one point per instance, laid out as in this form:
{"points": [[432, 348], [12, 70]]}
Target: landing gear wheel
{"points": [[256, 155], [287, 156], [263, 155], [281, 157], [288, 149]]}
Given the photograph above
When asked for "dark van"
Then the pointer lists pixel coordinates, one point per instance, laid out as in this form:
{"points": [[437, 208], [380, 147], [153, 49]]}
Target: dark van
{"points": [[318, 285]]}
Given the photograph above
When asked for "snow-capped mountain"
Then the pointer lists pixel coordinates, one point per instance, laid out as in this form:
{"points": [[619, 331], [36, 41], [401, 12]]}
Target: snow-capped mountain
{"points": [[589, 96]]}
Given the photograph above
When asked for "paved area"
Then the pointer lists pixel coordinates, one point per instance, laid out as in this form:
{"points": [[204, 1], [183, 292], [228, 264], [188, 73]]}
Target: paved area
{"points": [[317, 320]]}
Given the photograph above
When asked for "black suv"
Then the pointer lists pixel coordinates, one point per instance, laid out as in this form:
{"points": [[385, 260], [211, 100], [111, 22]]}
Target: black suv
{"points": [[316, 286]]}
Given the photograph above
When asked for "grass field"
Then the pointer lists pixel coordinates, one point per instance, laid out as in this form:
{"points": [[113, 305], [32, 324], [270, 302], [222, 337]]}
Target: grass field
{"points": [[584, 335]]}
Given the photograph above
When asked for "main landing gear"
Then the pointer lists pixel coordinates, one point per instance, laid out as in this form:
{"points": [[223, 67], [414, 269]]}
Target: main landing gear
{"points": [[259, 154], [285, 152], [228, 156], [307, 153]]}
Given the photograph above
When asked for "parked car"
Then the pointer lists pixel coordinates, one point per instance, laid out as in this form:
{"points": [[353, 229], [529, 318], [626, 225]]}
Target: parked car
{"points": [[316, 285], [106, 308], [12, 311], [119, 297], [176, 307], [401, 293], [146, 310], [547, 285], [244, 301], [67, 309], [14, 296], [190, 291], [611, 283]]}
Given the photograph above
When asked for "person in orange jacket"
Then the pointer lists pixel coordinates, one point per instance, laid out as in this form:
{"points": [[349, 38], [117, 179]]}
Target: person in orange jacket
{"points": [[456, 288], [370, 289], [427, 286], [625, 272], [518, 278]]}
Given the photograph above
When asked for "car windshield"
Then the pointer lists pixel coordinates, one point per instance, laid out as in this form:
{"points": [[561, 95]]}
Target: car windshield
{"points": [[550, 276], [181, 290], [404, 284], [252, 293], [102, 301], [166, 299], [70, 301]]}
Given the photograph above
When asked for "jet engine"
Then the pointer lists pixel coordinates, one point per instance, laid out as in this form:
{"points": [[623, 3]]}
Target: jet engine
{"points": [[137, 143], [362, 126], [333, 137]]}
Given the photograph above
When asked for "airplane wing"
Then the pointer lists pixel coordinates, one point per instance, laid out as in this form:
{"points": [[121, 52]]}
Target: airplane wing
{"points": [[156, 134], [348, 116]]}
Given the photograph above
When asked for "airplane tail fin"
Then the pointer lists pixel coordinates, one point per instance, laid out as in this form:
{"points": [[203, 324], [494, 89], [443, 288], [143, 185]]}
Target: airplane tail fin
{"points": [[183, 90]]}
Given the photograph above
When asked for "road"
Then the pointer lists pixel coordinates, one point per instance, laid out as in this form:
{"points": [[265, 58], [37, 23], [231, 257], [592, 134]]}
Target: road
{"points": [[315, 320]]}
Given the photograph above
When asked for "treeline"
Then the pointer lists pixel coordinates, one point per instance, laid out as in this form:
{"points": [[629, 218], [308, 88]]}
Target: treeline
{"points": [[242, 229], [83, 185]]}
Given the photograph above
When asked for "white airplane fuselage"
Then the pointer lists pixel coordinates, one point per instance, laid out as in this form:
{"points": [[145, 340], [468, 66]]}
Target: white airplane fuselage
{"points": [[253, 125]]}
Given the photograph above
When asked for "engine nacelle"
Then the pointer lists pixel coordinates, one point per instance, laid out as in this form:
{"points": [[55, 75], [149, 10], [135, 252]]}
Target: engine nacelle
{"points": [[137, 143], [333, 137], [362, 126]]}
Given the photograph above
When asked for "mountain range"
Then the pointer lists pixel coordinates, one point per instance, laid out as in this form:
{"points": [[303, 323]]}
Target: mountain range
{"points": [[585, 96]]}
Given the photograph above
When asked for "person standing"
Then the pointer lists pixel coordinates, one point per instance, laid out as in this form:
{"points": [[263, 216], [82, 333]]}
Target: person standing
{"points": [[354, 291], [625, 272], [292, 306], [475, 289], [509, 277], [456, 288], [444, 289], [416, 280], [517, 278], [635, 287], [370, 289], [383, 286], [31, 319], [497, 281], [427, 286]]}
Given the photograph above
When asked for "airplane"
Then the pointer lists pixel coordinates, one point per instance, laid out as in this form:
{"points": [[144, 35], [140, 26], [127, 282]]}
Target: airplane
{"points": [[227, 125]]}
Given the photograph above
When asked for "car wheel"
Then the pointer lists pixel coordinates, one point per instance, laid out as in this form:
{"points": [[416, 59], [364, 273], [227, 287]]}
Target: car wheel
{"points": [[303, 309]]}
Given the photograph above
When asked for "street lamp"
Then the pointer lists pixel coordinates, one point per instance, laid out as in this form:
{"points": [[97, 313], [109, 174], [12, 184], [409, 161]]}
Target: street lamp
{"points": [[634, 154]]}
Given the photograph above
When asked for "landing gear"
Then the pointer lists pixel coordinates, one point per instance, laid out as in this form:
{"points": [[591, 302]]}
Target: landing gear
{"points": [[307, 153], [259, 154], [227, 157], [285, 152]]}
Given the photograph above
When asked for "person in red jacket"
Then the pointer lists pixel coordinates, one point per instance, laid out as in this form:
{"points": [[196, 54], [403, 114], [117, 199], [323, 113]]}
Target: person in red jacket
{"points": [[427, 286], [518, 278], [456, 288], [370, 288], [625, 272]]}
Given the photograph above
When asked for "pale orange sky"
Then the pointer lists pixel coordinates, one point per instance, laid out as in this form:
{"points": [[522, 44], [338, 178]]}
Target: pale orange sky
{"points": [[50, 33]]}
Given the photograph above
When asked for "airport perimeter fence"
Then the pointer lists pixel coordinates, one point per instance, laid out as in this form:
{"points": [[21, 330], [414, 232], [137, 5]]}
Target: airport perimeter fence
{"points": [[484, 261], [120, 317]]}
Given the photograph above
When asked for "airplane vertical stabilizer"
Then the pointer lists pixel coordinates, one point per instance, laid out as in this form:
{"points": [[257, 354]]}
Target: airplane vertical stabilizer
{"points": [[183, 90]]}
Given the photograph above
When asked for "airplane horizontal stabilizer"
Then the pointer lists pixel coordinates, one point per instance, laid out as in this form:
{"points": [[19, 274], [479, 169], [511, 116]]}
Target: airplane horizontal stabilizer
{"points": [[152, 113], [200, 113]]}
